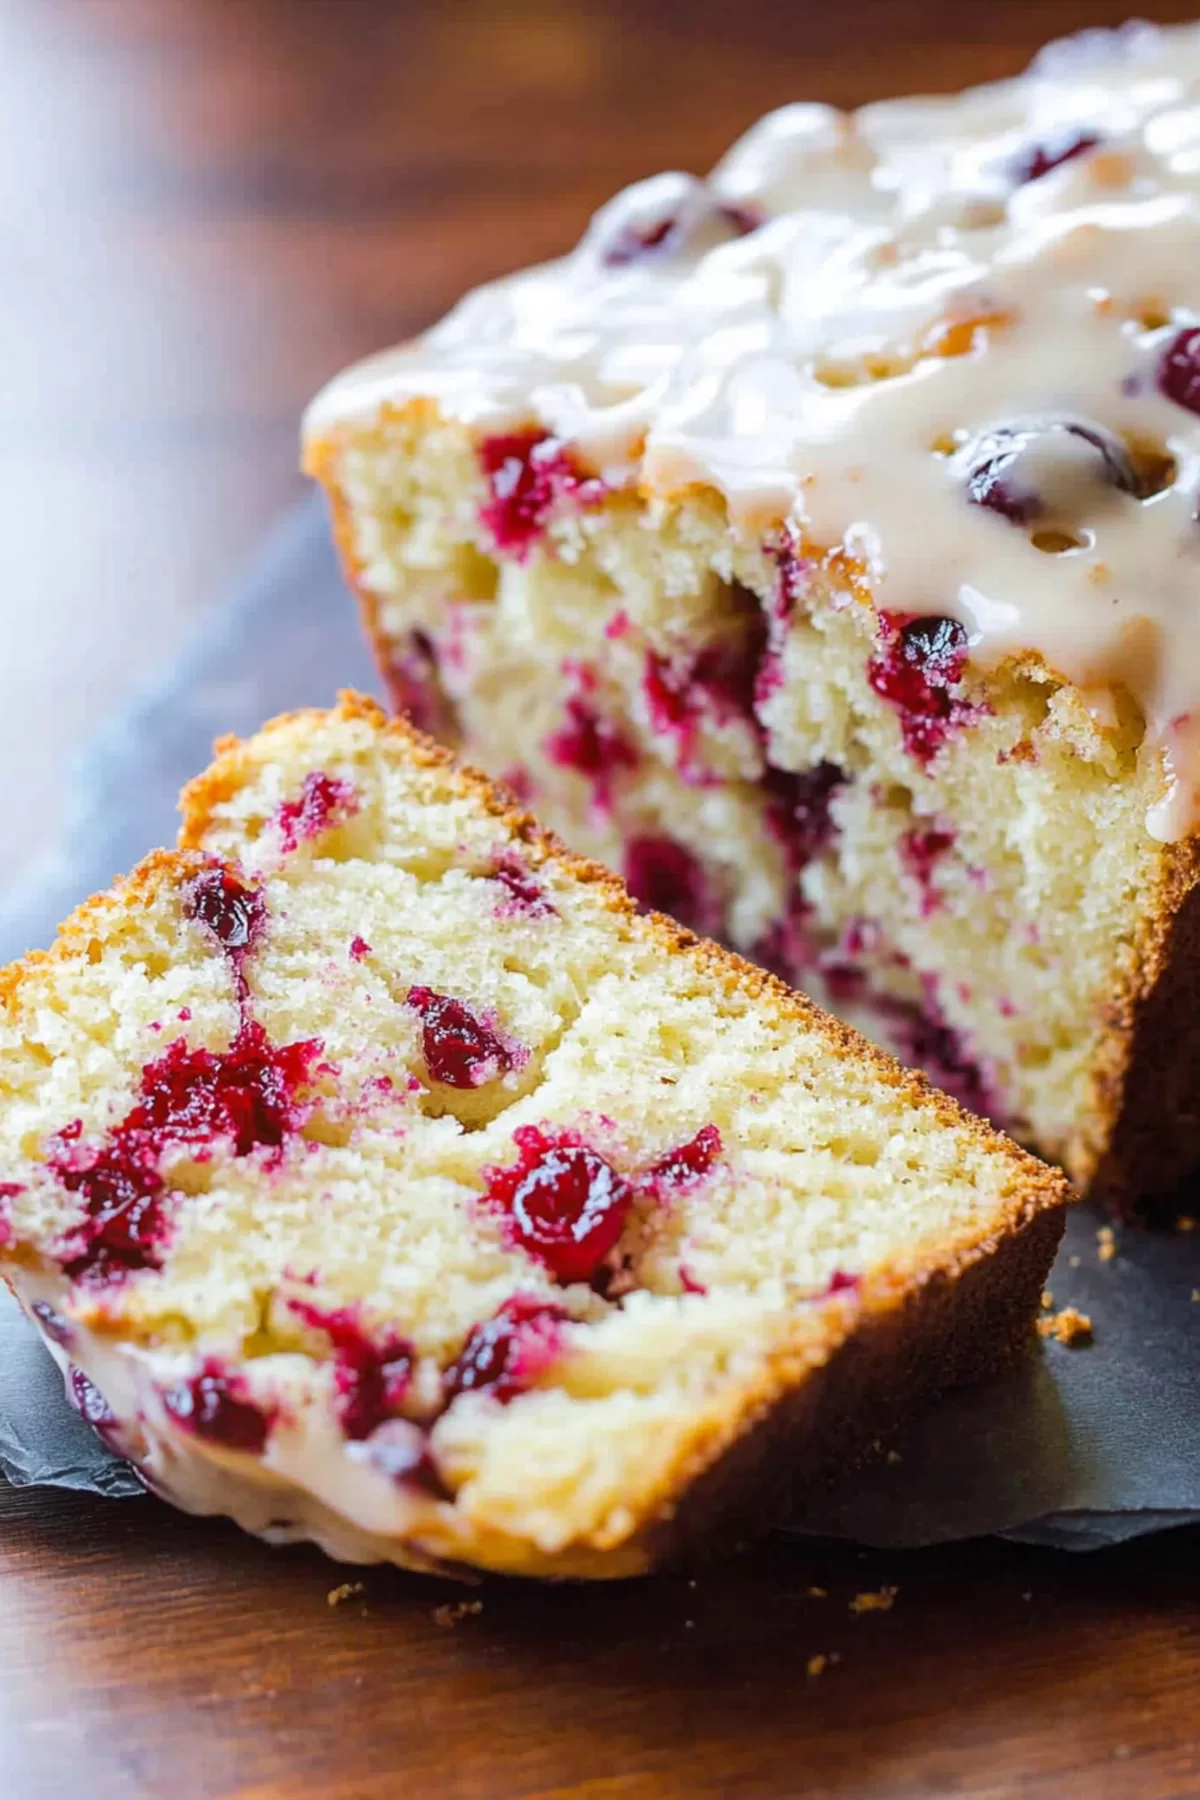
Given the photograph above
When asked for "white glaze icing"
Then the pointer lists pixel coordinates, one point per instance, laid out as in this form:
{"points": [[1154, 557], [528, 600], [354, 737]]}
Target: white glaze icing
{"points": [[309, 1485], [796, 367]]}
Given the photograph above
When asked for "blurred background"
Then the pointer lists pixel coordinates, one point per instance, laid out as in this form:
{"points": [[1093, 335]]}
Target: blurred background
{"points": [[207, 206]]}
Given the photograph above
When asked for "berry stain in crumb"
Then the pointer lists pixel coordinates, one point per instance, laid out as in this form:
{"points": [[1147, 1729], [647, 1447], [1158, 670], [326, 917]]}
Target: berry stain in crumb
{"points": [[371, 1374], [525, 897], [592, 747], [921, 850], [324, 802], [359, 949], [246, 1098], [529, 474]]}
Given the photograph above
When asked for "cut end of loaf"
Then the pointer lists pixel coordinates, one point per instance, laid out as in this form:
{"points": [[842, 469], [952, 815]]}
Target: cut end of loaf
{"points": [[954, 858]]}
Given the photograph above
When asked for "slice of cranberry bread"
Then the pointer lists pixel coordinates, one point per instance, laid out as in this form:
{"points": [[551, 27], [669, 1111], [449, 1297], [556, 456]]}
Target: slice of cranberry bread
{"points": [[381, 1176], [817, 544]]}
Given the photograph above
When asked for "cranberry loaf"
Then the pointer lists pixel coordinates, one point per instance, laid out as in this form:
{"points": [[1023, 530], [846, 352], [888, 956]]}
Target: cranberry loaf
{"points": [[381, 1176], [817, 544]]}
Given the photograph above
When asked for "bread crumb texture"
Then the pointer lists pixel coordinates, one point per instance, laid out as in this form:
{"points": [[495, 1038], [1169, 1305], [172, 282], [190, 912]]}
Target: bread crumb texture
{"points": [[881, 1600], [1070, 1327]]}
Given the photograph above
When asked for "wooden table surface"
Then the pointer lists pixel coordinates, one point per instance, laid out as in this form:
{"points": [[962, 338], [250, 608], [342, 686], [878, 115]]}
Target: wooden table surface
{"points": [[206, 206]]}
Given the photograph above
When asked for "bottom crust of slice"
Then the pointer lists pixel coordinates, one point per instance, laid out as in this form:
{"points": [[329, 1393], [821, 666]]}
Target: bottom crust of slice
{"points": [[954, 1325]]}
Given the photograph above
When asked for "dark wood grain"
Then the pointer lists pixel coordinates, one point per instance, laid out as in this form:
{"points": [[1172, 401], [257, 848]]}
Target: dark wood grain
{"points": [[206, 206]]}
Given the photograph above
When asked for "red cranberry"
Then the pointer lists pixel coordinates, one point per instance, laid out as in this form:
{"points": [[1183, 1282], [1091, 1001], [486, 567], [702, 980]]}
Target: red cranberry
{"points": [[562, 1202], [52, 1323], [798, 809], [506, 1353], [688, 1282], [459, 1049], [593, 747], [717, 685], [1037, 160], [1179, 369], [921, 849], [233, 913], [372, 1375], [925, 1041], [687, 1164], [526, 897], [664, 877], [190, 1100], [917, 666], [528, 474], [324, 802], [90, 1402], [221, 903], [794, 573], [212, 1405], [1001, 475], [359, 948], [658, 237], [841, 1283]]}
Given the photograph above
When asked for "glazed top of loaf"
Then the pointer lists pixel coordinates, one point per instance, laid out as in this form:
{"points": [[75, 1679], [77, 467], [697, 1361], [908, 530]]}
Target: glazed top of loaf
{"points": [[959, 336]]}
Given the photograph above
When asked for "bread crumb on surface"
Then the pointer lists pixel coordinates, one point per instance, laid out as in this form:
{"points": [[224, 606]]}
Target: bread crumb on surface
{"points": [[1047, 1300], [1196, 1293], [1074, 1261], [1070, 1327], [346, 1591], [1106, 1239], [894, 1456], [816, 1593], [1184, 1223], [816, 1665], [879, 1601], [448, 1616]]}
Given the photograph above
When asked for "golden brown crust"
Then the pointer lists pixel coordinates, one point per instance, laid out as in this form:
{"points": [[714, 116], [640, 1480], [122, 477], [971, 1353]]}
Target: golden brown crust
{"points": [[957, 1322], [143, 882], [1148, 1085]]}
